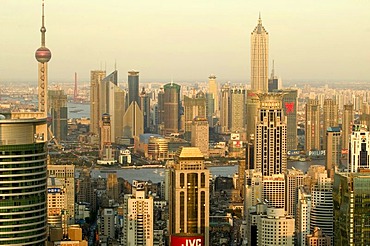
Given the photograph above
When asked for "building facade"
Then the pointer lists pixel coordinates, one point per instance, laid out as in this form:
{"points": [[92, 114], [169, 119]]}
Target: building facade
{"points": [[312, 127]]}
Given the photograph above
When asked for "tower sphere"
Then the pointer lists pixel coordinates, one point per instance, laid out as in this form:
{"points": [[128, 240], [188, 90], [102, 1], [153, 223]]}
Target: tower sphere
{"points": [[43, 54]]}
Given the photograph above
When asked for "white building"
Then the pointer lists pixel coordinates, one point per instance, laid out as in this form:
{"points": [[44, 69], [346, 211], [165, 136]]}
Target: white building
{"points": [[303, 215], [359, 149], [275, 228]]}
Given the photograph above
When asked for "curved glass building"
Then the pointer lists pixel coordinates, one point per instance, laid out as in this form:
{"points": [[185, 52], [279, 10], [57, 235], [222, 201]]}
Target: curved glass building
{"points": [[23, 180]]}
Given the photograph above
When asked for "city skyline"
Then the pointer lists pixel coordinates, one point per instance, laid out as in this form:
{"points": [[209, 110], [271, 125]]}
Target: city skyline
{"points": [[190, 41]]}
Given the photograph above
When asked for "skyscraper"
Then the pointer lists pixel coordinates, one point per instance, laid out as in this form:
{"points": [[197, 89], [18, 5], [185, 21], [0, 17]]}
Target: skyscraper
{"points": [[347, 121], [172, 108], [290, 105], [225, 108], [59, 114], [96, 77], [193, 107], [270, 136], [213, 91], [330, 117], [273, 82], [23, 184], [237, 109], [312, 125], [189, 194], [359, 149], [259, 58], [133, 87], [333, 150], [200, 135], [253, 104], [145, 108]]}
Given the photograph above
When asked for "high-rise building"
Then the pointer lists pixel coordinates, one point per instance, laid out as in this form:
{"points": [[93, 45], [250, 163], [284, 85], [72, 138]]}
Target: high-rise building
{"points": [[275, 228], [59, 114], [138, 213], [193, 107], [351, 195], [56, 200], [270, 136], [312, 127], [106, 151], [274, 81], [253, 104], [333, 150], [330, 117], [86, 190], [290, 105], [259, 58], [303, 215], [133, 121], [273, 192], [293, 180], [237, 110], [133, 87], [65, 176], [106, 223], [322, 205], [112, 186], [213, 91], [347, 122], [145, 108], [359, 149], [210, 105], [225, 108], [200, 135], [189, 194], [23, 184], [96, 76], [171, 108]]}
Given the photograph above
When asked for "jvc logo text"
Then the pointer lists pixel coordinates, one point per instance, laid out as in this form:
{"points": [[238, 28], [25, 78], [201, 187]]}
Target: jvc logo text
{"points": [[193, 242]]}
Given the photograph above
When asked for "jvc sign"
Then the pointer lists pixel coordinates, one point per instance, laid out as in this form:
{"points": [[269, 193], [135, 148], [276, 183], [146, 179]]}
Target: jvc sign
{"points": [[183, 240]]}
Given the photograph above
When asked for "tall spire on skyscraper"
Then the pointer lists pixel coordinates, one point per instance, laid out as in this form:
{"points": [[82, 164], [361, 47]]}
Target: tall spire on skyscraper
{"points": [[43, 56]]}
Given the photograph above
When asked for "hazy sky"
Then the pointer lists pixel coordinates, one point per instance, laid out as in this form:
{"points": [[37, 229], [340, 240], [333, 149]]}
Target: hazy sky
{"points": [[186, 40]]}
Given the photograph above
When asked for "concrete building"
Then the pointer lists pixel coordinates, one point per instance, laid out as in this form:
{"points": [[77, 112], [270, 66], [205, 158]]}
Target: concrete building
{"points": [[112, 186], [359, 149], [56, 204], [333, 150], [237, 109], [133, 121], [253, 103], [171, 108], [303, 215], [274, 190], [270, 136], [145, 108], [188, 193], [312, 127], [259, 58], [106, 149], [193, 107], [225, 114], [65, 176], [23, 184], [293, 180], [290, 107], [138, 213], [107, 224], [317, 238], [330, 117], [275, 228], [96, 76], [213, 91], [200, 135], [59, 114], [347, 122]]}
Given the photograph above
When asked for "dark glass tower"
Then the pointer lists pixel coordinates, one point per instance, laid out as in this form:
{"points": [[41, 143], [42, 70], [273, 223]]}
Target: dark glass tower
{"points": [[133, 87]]}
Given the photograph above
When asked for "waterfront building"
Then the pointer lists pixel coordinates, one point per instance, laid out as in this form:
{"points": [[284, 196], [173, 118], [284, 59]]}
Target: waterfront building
{"points": [[193, 107], [133, 87], [23, 162], [259, 58], [200, 135], [330, 117], [333, 150], [270, 136], [59, 114], [237, 109], [359, 149], [96, 77], [171, 108], [351, 195], [312, 125], [347, 122], [275, 228], [138, 217], [188, 194]]}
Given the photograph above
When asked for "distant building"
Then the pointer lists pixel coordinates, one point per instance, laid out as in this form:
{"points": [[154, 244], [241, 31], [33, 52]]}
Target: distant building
{"points": [[171, 108], [59, 114], [333, 150], [133, 87], [317, 238], [213, 92], [312, 127], [96, 78], [200, 135], [112, 186], [225, 114], [193, 107], [330, 117], [237, 110], [347, 122]]}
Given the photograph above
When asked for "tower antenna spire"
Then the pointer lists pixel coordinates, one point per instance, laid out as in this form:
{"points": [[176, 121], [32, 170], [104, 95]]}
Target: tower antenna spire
{"points": [[43, 29], [259, 18]]}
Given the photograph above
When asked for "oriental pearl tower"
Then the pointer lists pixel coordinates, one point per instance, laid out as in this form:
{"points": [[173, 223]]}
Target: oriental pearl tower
{"points": [[43, 56]]}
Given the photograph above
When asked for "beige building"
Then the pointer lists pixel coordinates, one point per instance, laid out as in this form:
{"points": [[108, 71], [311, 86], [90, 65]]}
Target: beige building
{"points": [[133, 121], [237, 109], [330, 117], [200, 135], [347, 122], [213, 90], [333, 150], [259, 58], [312, 127], [253, 104], [275, 228], [225, 108], [274, 190], [188, 193], [112, 186], [56, 203], [294, 178], [96, 77], [138, 213], [318, 239], [65, 174], [303, 215], [194, 107]]}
